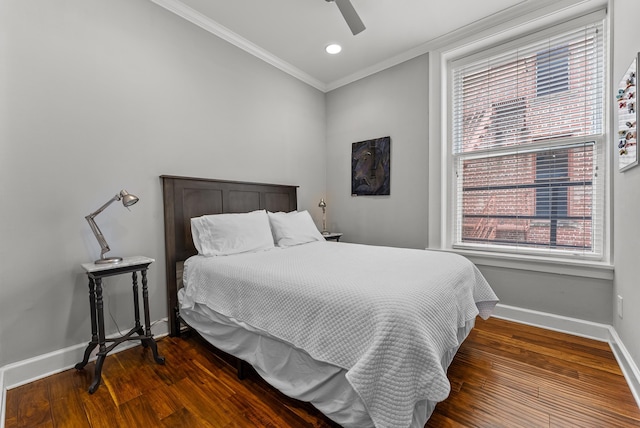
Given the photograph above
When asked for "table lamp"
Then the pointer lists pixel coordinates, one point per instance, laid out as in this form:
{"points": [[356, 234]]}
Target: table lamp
{"points": [[127, 200], [323, 205]]}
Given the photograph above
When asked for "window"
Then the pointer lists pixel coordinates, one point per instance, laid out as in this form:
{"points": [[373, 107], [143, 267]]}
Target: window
{"points": [[528, 137]]}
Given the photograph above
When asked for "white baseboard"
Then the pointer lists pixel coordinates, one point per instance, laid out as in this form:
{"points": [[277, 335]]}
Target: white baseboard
{"points": [[627, 365], [577, 327], [32, 369], [574, 326]]}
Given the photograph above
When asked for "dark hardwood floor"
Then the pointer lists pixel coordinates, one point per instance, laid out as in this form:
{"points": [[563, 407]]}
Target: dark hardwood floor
{"points": [[505, 375]]}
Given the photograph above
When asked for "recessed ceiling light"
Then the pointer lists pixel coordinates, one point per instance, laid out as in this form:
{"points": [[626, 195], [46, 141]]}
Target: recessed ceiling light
{"points": [[333, 49]]}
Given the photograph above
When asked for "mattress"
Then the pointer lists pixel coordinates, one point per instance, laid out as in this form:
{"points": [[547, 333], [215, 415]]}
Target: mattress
{"points": [[387, 316]]}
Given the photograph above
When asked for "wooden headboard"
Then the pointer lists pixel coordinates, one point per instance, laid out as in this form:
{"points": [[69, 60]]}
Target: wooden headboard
{"points": [[187, 197]]}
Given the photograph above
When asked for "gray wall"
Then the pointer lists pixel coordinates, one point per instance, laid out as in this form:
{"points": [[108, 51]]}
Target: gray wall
{"points": [[560, 294], [392, 103], [626, 36], [100, 95]]}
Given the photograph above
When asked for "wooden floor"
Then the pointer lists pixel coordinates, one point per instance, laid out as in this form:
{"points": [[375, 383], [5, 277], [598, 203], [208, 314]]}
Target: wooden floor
{"points": [[505, 375]]}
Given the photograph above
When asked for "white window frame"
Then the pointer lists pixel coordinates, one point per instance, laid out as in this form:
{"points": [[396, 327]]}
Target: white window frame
{"points": [[441, 66]]}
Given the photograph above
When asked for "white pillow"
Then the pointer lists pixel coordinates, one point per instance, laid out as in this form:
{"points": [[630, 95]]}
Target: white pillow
{"points": [[294, 228], [278, 213], [224, 234]]}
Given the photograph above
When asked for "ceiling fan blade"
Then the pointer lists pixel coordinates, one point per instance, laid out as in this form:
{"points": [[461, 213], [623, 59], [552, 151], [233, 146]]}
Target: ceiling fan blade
{"points": [[351, 16]]}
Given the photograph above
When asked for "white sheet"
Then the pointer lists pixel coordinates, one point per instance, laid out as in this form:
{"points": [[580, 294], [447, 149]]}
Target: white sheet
{"points": [[386, 315]]}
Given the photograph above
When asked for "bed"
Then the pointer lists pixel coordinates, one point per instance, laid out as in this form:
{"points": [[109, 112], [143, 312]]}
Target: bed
{"points": [[363, 333]]}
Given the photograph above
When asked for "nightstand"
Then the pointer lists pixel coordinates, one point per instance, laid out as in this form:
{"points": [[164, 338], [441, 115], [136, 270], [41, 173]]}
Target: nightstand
{"points": [[96, 272], [333, 236]]}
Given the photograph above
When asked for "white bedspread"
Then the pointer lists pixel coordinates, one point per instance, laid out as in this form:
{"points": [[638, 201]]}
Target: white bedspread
{"points": [[386, 315]]}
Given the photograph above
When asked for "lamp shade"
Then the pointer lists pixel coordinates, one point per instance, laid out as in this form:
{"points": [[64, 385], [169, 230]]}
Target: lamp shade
{"points": [[127, 198]]}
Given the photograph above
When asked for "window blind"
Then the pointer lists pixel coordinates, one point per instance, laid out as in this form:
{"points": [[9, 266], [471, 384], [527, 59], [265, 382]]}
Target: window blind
{"points": [[528, 146]]}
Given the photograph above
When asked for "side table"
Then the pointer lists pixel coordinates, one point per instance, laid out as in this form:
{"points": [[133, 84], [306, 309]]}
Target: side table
{"points": [[96, 273], [333, 236]]}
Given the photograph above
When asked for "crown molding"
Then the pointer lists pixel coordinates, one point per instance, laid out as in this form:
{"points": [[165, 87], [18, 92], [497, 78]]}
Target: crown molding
{"points": [[207, 24], [516, 17], [526, 12]]}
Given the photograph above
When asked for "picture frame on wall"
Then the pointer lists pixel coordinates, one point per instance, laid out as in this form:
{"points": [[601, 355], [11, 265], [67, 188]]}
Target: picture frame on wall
{"points": [[626, 144], [371, 167]]}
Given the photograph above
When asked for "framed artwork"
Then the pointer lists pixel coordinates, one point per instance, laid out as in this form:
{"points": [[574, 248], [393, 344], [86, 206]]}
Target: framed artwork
{"points": [[627, 142], [371, 167]]}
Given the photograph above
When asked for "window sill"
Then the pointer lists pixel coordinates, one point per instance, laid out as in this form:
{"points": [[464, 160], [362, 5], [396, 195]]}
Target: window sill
{"points": [[580, 268]]}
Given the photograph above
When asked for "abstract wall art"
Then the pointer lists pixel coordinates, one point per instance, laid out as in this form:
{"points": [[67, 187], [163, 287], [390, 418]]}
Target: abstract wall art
{"points": [[371, 167]]}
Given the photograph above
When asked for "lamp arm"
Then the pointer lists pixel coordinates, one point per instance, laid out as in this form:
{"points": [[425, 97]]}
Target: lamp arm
{"points": [[96, 230], [102, 208], [99, 236]]}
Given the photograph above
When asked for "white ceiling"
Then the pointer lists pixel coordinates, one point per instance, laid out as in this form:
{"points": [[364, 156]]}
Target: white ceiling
{"points": [[292, 34]]}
